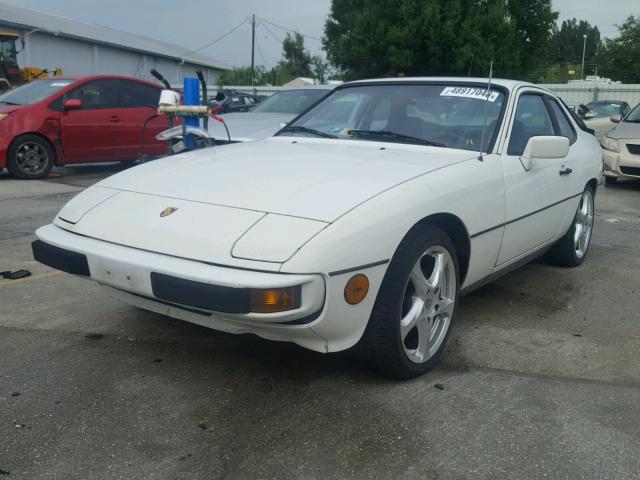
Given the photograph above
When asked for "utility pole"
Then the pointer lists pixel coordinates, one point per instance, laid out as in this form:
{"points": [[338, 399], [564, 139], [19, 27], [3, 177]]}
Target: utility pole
{"points": [[253, 44], [584, 47]]}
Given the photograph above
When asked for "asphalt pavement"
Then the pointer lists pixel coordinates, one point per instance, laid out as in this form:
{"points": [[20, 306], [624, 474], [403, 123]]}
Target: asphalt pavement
{"points": [[541, 378]]}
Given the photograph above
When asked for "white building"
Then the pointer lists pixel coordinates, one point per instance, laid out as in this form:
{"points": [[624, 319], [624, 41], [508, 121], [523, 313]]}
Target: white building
{"points": [[80, 48]]}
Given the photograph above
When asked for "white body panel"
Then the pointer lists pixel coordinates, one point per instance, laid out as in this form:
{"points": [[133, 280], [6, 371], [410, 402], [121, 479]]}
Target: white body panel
{"points": [[315, 211]]}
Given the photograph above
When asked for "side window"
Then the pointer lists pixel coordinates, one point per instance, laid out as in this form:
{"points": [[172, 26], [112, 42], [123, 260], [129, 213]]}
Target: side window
{"points": [[134, 95], [532, 119], [564, 125], [97, 94]]}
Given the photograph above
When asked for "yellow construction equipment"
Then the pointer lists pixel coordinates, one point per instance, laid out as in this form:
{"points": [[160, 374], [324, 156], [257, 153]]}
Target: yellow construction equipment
{"points": [[11, 75]]}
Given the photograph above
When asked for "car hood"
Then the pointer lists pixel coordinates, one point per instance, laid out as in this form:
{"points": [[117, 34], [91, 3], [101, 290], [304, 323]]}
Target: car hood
{"points": [[625, 130], [316, 179], [248, 126], [601, 125], [253, 204], [10, 108]]}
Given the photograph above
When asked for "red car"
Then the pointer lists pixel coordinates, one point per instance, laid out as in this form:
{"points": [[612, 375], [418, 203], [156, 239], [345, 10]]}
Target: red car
{"points": [[58, 121]]}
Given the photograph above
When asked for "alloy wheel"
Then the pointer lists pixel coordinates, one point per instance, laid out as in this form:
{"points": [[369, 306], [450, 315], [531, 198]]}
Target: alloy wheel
{"points": [[31, 158], [583, 224], [428, 304]]}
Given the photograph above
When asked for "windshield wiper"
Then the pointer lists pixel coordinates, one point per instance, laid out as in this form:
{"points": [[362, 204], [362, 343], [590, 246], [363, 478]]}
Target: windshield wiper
{"points": [[312, 131], [392, 135], [4, 102]]}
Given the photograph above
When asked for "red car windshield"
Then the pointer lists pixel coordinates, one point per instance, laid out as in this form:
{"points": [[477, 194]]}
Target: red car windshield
{"points": [[34, 92]]}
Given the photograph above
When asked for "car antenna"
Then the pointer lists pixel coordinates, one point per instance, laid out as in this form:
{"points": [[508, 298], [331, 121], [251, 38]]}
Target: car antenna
{"points": [[486, 107]]}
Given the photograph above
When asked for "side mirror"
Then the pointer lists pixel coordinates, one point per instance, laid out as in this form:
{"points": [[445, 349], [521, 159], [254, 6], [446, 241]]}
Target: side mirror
{"points": [[546, 146], [72, 104], [617, 118]]}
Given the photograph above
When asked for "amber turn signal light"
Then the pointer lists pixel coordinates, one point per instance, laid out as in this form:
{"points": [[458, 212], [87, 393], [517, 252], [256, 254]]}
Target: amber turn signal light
{"points": [[273, 300], [356, 289]]}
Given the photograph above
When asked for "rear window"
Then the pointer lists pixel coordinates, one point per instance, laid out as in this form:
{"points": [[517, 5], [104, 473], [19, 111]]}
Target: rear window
{"points": [[291, 102], [605, 109]]}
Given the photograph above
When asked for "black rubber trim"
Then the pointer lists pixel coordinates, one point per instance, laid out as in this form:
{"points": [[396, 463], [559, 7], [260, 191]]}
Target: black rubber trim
{"points": [[169, 304], [199, 294], [299, 321], [360, 267], [60, 259], [482, 232]]}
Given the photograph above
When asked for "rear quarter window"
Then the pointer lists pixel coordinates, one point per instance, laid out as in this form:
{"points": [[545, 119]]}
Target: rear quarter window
{"points": [[135, 95]]}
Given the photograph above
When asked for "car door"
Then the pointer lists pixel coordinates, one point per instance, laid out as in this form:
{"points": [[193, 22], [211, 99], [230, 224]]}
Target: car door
{"points": [[92, 132], [537, 203], [139, 102]]}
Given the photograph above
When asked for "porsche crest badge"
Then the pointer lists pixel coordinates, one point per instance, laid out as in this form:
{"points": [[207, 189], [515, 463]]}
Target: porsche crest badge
{"points": [[167, 211]]}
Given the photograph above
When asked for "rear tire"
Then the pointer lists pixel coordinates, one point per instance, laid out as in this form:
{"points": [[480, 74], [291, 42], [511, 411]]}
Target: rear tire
{"points": [[572, 248], [610, 180], [415, 307], [30, 157]]}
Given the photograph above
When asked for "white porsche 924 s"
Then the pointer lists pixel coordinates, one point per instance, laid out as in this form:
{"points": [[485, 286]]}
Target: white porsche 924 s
{"points": [[362, 220]]}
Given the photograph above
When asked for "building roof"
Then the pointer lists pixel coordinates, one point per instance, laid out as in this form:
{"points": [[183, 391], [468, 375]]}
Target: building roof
{"points": [[26, 18]]}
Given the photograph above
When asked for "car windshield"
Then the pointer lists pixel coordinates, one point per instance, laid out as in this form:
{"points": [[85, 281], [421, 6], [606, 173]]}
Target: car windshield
{"points": [[33, 92], [634, 115], [604, 109], [290, 101], [450, 115]]}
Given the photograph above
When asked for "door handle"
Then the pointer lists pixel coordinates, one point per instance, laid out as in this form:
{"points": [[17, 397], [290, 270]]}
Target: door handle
{"points": [[565, 171], [114, 118]]}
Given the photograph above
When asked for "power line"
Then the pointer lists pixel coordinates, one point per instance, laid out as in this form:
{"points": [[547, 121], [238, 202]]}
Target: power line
{"points": [[290, 29], [261, 53], [216, 40], [269, 30]]}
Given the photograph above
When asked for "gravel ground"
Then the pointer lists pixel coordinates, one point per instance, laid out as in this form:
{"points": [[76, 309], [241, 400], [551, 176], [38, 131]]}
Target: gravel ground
{"points": [[541, 378]]}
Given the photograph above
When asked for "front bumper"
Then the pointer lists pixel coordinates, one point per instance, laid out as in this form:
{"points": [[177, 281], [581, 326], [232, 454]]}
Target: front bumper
{"points": [[210, 295], [623, 164]]}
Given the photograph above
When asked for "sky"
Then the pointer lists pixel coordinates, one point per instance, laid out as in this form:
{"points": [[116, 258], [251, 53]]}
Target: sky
{"points": [[196, 23]]}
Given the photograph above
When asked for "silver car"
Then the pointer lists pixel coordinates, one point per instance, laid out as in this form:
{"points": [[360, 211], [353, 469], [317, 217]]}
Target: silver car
{"points": [[621, 147], [598, 118], [266, 118]]}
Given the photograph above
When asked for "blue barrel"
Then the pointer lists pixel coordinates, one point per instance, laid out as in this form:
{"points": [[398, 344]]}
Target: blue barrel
{"points": [[191, 97]]}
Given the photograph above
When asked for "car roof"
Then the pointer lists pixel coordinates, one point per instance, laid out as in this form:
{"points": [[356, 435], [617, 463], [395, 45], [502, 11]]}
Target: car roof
{"points": [[324, 86], [509, 84], [84, 78]]}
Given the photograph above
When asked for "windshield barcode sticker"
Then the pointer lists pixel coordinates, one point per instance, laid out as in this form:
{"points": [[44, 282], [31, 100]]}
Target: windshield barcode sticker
{"points": [[470, 92]]}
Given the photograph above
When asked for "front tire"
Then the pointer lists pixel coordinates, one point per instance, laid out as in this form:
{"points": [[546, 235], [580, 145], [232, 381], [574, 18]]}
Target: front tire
{"points": [[415, 307], [572, 248], [30, 157]]}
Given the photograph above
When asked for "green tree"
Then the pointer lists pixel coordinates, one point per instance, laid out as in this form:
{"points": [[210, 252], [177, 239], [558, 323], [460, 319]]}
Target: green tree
{"points": [[566, 47], [370, 38], [242, 76], [619, 58], [320, 69], [297, 59]]}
